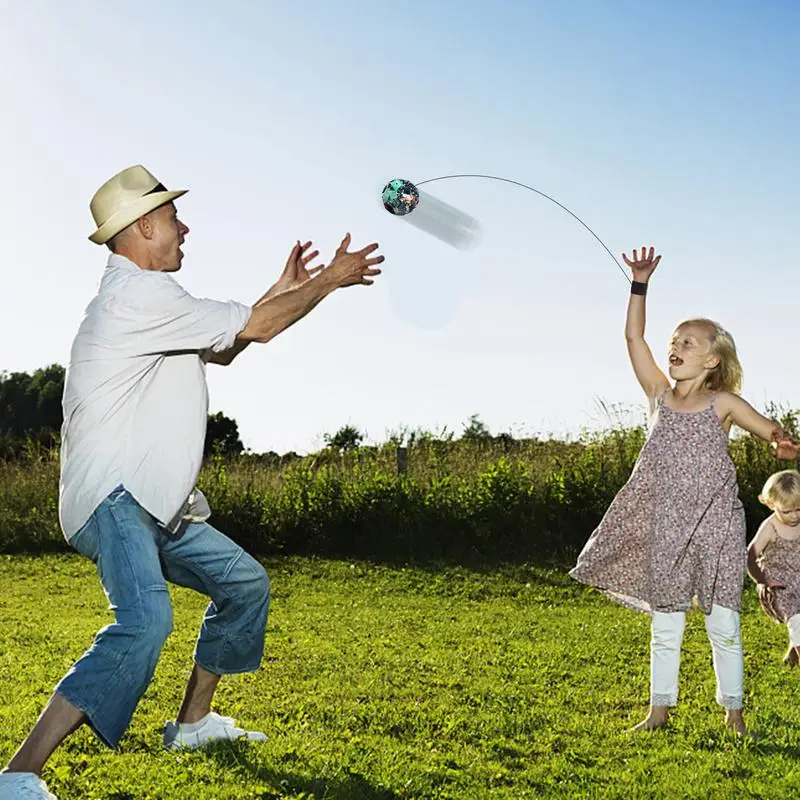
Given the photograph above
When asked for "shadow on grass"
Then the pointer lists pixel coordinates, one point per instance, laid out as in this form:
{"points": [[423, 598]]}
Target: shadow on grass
{"points": [[487, 561], [349, 785], [764, 738], [775, 749]]}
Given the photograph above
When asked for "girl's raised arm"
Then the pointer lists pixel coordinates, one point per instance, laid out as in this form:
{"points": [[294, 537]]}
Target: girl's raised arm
{"points": [[652, 380]]}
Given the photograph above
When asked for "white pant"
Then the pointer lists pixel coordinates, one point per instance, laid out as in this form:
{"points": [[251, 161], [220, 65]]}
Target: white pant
{"points": [[722, 627], [793, 625]]}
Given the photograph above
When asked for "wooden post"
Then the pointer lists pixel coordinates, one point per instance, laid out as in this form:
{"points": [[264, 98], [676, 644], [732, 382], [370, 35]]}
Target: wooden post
{"points": [[401, 456]]}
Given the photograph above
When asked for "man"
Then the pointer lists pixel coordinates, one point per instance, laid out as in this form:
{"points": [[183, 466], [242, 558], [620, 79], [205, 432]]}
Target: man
{"points": [[135, 411]]}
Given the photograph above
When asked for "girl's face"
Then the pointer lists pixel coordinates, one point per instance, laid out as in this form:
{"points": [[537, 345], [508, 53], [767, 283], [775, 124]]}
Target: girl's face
{"points": [[690, 352], [788, 513]]}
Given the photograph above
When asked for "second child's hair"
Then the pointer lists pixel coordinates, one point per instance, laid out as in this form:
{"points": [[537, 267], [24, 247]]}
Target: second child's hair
{"points": [[727, 375], [781, 488]]}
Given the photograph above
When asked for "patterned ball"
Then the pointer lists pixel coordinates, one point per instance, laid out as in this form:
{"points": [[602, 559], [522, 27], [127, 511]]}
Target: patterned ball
{"points": [[400, 197]]}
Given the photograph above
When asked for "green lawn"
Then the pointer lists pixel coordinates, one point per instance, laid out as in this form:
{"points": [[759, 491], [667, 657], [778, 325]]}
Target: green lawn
{"points": [[382, 683]]}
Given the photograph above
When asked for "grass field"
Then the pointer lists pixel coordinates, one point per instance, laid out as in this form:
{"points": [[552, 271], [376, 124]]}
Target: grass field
{"points": [[386, 683]]}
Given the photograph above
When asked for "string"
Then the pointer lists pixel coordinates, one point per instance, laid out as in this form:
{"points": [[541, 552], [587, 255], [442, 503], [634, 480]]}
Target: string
{"points": [[546, 196]]}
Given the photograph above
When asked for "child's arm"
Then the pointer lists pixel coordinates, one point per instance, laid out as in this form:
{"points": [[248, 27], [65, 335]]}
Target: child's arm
{"points": [[763, 538], [733, 408], [650, 377], [766, 587]]}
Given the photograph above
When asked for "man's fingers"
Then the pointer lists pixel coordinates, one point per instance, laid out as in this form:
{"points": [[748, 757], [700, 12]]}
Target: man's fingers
{"points": [[311, 256], [315, 270], [344, 245], [291, 262], [368, 249]]}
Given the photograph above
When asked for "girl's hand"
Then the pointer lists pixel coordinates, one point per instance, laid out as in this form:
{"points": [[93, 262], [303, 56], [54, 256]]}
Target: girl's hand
{"points": [[642, 268], [783, 446]]}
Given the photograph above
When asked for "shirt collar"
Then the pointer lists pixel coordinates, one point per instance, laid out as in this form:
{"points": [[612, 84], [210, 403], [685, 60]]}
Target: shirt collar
{"points": [[117, 261]]}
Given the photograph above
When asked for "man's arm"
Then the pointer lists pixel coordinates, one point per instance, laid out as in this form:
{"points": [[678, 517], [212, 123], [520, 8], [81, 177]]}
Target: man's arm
{"points": [[267, 319], [227, 356], [275, 314], [281, 311], [158, 316], [344, 266], [278, 310]]}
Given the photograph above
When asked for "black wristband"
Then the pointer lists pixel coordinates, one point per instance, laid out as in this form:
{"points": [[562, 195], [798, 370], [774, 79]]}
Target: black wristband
{"points": [[638, 288]]}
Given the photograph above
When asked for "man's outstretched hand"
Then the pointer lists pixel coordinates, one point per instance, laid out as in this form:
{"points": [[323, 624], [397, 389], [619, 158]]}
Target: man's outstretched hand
{"points": [[356, 268], [296, 271]]}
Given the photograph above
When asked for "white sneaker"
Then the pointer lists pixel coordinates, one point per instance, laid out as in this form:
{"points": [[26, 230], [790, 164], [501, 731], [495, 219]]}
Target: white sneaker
{"points": [[23, 786], [212, 728]]}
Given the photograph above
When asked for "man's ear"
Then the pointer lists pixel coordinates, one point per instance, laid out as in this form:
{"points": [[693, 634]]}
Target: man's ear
{"points": [[145, 226]]}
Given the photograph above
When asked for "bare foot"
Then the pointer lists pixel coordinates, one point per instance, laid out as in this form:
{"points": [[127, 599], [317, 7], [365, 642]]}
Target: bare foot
{"points": [[656, 718], [791, 659], [734, 721]]}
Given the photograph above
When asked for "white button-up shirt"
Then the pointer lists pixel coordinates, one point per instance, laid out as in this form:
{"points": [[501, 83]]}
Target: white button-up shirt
{"points": [[135, 397]]}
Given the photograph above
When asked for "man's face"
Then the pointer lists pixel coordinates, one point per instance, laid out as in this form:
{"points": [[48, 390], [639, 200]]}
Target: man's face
{"points": [[168, 234]]}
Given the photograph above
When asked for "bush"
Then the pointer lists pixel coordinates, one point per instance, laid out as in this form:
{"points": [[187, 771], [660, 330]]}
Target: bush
{"points": [[475, 500]]}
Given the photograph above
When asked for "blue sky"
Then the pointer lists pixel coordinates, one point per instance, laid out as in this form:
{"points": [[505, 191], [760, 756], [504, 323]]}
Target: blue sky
{"points": [[665, 123]]}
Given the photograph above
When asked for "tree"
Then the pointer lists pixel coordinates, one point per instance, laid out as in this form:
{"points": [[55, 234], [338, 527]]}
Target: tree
{"points": [[222, 436], [30, 409], [476, 430], [348, 437]]}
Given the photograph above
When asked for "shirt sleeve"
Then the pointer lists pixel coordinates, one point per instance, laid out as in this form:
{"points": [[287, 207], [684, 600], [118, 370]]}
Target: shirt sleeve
{"points": [[159, 316]]}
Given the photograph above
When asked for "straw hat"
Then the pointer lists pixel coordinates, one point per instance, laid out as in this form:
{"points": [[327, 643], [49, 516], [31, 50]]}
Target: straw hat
{"points": [[126, 197]]}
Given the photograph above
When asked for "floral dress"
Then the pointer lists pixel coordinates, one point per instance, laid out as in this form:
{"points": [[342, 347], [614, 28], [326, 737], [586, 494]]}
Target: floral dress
{"points": [[780, 562], [675, 533]]}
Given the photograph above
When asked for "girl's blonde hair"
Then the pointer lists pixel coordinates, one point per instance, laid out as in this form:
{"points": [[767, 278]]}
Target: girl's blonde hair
{"points": [[782, 488], [727, 375]]}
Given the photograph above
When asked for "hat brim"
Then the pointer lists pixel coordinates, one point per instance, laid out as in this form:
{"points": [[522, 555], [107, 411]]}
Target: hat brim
{"points": [[128, 215]]}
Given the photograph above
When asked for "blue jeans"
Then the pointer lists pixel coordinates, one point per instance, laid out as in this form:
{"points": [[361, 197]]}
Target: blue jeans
{"points": [[135, 558]]}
